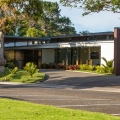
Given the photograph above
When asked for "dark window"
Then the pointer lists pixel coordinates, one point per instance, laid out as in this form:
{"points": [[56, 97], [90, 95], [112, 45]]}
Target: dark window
{"points": [[94, 55]]}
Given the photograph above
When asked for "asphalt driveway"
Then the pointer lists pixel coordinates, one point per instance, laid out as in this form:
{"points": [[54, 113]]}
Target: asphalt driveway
{"points": [[80, 79], [68, 89]]}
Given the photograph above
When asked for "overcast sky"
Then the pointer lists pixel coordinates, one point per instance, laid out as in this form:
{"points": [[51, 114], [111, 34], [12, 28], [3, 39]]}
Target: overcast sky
{"points": [[95, 22]]}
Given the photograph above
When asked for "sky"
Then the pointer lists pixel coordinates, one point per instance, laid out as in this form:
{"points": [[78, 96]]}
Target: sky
{"points": [[96, 22]]}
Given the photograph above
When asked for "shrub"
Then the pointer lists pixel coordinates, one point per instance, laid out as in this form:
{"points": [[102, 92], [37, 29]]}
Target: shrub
{"points": [[53, 66], [111, 70], [61, 66], [45, 66], [108, 66], [69, 67], [84, 67], [72, 67], [100, 69], [31, 68], [10, 64], [14, 70], [76, 67], [91, 68]]}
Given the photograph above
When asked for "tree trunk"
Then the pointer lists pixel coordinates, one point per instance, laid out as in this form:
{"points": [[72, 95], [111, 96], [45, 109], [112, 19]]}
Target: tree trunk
{"points": [[2, 60]]}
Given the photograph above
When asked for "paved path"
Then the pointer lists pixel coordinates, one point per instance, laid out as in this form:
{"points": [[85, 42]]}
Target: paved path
{"points": [[71, 90]]}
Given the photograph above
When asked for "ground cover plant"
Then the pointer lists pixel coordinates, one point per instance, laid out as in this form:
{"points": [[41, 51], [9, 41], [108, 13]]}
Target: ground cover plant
{"points": [[21, 76], [19, 110]]}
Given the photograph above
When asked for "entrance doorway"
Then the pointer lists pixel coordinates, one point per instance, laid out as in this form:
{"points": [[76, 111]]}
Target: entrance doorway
{"points": [[32, 56]]}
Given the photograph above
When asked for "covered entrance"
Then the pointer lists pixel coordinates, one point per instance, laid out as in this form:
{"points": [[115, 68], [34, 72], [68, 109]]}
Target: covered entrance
{"points": [[78, 55]]}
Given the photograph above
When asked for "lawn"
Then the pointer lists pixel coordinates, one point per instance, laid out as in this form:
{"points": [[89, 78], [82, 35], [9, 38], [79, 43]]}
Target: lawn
{"points": [[94, 72], [19, 110], [21, 76]]}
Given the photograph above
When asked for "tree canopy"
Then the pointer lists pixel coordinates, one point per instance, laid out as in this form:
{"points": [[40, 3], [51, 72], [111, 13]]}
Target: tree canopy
{"points": [[12, 12], [94, 5], [33, 17], [52, 23]]}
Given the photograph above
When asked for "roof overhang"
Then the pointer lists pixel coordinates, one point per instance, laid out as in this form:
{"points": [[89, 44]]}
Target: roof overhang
{"points": [[22, 39]]}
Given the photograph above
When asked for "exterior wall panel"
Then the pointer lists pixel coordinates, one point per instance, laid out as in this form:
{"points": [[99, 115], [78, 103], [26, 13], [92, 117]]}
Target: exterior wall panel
{"points": [[47, 55]]}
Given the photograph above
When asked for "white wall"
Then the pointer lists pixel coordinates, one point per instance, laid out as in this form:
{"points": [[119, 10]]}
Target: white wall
{"points": [[47, 55], [107, 51]]}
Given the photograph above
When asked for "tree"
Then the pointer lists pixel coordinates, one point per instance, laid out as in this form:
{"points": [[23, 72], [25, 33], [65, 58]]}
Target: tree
{"points": [[14, 11], [52, 22], [32, 32], [33, 17], [85, 32], [65, 26], [94, 5]]}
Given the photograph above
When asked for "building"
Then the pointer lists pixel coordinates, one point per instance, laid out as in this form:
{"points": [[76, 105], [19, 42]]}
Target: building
{"points": [[66, 49]]}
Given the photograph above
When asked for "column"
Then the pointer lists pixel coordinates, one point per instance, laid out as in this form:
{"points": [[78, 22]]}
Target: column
{"points": [[77, 56], [66, 61], [117, 51]]}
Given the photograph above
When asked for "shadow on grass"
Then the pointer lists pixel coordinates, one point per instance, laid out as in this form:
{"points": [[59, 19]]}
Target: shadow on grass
{"points": [[13, 98]]}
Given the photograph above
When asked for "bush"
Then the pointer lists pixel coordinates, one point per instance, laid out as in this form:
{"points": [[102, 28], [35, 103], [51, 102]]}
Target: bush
{"points": [[31, 68], [100, 69], [76, 67], [72, 67], [84, 67], [91, 68], [69, 67], [111, 70], [14, 70], [60, 66], [10, 64], [44, 66]]}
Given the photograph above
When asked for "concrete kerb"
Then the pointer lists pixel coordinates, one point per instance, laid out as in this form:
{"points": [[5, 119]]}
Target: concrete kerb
{"points": [[46, 77], [86, 72]]}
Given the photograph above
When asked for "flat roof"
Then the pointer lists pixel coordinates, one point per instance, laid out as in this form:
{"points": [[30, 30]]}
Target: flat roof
{"points": [[21, 38]]}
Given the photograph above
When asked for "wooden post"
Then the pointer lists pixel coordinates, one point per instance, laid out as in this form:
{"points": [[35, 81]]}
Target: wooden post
{"points": [[117, 51]]}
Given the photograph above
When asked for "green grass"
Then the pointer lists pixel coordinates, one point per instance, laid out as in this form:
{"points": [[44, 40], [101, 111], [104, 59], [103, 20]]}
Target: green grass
{"points": [[19, 110], [21, 76]]}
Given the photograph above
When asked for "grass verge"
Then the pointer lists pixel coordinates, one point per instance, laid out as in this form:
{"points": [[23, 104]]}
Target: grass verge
{"points": [[21, 76], [19, 110], [94, 72]]}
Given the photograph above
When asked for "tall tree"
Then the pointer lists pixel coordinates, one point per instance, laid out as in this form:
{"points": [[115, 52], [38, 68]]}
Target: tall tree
{"points": [[14, 11], [33, 16], [53, 23], [94, 5]]}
